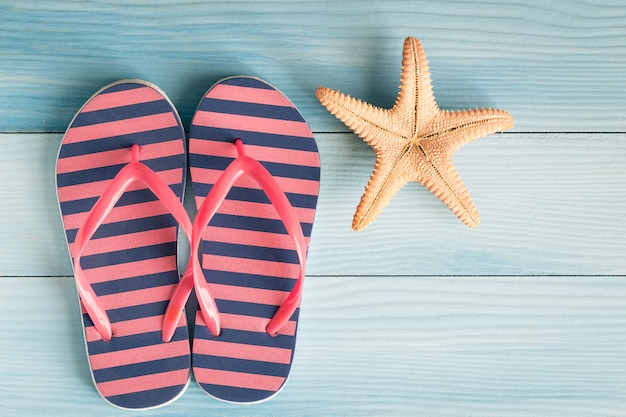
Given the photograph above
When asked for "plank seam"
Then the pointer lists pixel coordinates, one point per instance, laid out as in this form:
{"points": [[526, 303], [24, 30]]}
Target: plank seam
{"points": [[577, 132]]}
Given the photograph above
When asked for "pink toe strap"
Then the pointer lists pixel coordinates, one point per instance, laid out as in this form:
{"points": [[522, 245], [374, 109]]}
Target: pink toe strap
{"points": [[135, 171], [244, 164]]}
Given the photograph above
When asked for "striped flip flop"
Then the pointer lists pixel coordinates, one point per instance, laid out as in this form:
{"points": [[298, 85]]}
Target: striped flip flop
{"points": [[120, 178], [255, 169]]}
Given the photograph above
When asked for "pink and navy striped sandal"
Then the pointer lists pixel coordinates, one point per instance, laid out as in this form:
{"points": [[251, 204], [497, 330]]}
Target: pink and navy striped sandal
{"points": [[255, 169], [120, 179]]}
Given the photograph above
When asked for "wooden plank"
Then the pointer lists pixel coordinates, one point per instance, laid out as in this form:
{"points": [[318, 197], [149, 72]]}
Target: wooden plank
{"points": [[556, 66], [488, 346], [551, 204]]}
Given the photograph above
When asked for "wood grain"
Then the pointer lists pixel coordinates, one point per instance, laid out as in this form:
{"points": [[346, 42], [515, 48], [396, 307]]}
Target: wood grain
{"points": [[551, 204], [445, 346], [416, 315], [556, 66]]}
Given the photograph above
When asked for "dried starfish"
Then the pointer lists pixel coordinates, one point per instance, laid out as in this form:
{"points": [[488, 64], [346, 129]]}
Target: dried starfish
{"points": [[415, 140]]}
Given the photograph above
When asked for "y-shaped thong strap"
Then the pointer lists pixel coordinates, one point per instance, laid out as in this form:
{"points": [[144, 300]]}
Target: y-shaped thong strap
{"points": [[243, 164], [133, 172]]}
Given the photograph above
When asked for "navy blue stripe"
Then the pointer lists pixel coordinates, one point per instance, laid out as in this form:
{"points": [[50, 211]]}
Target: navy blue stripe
{"points": [[247, 338], [141, 369], [140, 311], [88, 175], [131, 111], [233, 250], [247, 82], [255, 224], [166, 163], [257, 196], [117, 286], [275, 168], [297, 143], [121, 142], [249, 280], [143, 195], [117, 343], [240, 108], [209, 161], [109, 172], [146, 399], [128, 226], [241, 365], [292, 171], [123, 87], [247, 309], [230, 221], [235, 394], [129, 255]]}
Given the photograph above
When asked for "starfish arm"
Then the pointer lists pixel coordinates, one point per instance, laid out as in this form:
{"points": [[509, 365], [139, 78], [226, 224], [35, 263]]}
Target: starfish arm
{"points": [[389, 176], [441, 178], [416, 104], [455, 129], [371, 123]]}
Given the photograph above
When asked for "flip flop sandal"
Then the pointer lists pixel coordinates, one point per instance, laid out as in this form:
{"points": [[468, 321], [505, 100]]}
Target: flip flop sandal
{"points": [[255, 169], [120, 180]]}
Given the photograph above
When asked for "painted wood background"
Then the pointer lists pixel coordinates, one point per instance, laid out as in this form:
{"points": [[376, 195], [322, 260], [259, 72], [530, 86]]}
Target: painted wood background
{"points": [[416, 315]]}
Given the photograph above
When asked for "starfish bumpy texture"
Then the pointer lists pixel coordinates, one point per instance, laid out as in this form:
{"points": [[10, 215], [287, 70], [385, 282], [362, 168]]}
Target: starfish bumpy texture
{"points": [[415, 140]]}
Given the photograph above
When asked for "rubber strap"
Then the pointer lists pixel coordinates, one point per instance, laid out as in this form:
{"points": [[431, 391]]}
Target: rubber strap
{"points": [[251, 167], [176, 306], [135, 171]]}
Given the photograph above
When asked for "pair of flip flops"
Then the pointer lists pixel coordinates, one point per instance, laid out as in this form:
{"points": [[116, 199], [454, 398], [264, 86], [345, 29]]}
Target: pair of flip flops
{"points": [[121, 174]]}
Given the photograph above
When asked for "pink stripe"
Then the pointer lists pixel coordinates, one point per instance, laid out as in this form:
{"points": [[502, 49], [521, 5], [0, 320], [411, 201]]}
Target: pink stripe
{"points": [[119, 156], [121, 127], [252, 124], [284, 156], [248, 95], [258, 210], [118, 214], [260, 153], [96, 188], [239, 351], [250, 266], [238, 379], [129, 327], [132, 327], [144, 383], [252, 324], [90, 161], [122, 98], [288, 185], [129, 241], [247, 295], [248, 237], [139, 355], [132, 269], [137, 297]]}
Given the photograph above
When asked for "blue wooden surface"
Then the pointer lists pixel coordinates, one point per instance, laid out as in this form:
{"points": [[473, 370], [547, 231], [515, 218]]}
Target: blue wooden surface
{"points": [[557, 66], [551, 205], [416, 315]]}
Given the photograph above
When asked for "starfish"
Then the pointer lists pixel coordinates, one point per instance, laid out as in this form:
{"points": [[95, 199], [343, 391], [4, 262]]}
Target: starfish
{"points": [[414, 140]]}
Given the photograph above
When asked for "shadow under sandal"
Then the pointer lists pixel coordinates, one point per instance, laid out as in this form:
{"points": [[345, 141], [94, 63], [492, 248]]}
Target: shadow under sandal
{"points": [[120, 179], [255, 169]]}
